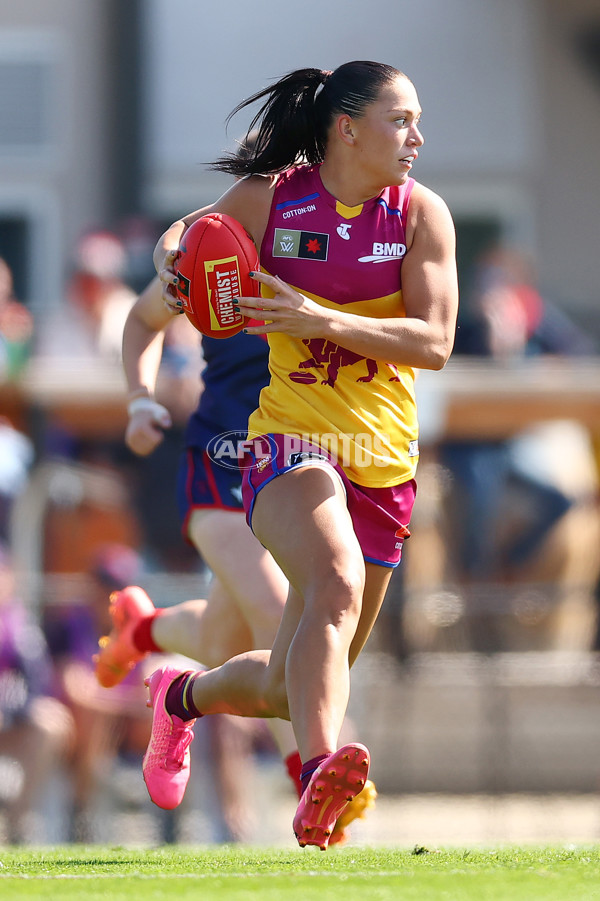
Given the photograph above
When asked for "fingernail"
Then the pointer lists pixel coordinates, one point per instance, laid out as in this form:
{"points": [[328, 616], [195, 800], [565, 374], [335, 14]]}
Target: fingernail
{"points": [[252, 274], [236, 309]]}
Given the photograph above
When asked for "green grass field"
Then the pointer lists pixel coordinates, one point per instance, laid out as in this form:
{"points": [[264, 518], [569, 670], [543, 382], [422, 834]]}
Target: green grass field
{"points": [[225, 873]]}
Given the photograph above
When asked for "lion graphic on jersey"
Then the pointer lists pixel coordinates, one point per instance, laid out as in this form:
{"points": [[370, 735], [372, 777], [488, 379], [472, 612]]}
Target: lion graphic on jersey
{"points": [[333, 356]]}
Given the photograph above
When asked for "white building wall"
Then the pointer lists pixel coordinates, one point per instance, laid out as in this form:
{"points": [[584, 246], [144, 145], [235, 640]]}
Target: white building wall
{"points": [[470, 60], [567, 187], [56, 176]]}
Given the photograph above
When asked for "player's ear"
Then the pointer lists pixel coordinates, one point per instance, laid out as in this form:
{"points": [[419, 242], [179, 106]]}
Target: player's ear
{"points": [[346, 129]]}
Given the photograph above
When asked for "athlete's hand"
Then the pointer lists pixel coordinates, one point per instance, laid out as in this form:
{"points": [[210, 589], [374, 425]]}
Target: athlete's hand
{"points": [[288, 311], [166, 273], [147, 420]]}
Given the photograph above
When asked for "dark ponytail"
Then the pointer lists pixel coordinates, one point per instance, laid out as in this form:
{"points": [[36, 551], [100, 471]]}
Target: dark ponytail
{"points": [[293, 123]]}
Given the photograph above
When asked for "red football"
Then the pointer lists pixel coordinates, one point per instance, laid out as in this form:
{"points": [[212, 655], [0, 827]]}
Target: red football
{"points": [[216, 256]]}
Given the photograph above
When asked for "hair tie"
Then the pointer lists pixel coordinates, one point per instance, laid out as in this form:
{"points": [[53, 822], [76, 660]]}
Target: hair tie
{"points": [[325, 76]]}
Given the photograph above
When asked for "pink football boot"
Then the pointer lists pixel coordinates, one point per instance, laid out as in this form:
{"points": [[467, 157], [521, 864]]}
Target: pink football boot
{"points": [[166, 764], [333, 784]]}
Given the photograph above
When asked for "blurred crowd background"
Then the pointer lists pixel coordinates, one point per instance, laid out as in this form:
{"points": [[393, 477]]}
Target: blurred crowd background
{"points": [[487, 647]]}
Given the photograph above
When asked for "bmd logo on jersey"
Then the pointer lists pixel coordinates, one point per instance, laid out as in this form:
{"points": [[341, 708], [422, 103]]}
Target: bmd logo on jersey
{"points": [[300, 245], [382, 253]]}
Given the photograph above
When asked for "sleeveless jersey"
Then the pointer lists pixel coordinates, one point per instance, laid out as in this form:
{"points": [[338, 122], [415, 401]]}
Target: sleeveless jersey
{"points": [[359, 409]]}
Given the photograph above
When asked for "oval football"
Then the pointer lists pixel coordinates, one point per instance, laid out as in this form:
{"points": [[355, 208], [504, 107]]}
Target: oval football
{"points": [[216, 256], [303, 378]]}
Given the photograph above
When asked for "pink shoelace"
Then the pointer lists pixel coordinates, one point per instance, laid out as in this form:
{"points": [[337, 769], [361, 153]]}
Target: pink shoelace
{"points": [[179, 742], [169, 748]]}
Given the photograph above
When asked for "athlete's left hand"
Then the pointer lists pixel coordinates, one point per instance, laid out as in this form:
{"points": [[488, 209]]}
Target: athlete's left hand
{"points": [[287, 311]]}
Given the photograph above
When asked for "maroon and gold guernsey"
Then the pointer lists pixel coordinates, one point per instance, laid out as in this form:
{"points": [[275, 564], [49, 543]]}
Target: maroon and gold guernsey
{"points": [[350, 258]]}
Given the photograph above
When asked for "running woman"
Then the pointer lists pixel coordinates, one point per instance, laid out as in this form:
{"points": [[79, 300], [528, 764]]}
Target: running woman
{"points": [[359, 289]]}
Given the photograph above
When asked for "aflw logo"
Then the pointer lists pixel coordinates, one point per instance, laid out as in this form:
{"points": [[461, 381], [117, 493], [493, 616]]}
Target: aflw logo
{"points": [[300, 244], [384, 252]]}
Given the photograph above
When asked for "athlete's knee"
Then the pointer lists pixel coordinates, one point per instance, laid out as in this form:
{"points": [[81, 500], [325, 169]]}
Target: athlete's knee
{"points": [[340, 594]]}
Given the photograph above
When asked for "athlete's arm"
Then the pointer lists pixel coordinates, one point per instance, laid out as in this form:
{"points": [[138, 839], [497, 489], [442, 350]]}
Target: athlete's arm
{"points": [[248, 201], [424, 337], [143, 338]]}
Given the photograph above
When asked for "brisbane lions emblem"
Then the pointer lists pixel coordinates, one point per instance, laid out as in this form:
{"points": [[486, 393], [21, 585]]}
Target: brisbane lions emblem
{"points": [[331, 357]]}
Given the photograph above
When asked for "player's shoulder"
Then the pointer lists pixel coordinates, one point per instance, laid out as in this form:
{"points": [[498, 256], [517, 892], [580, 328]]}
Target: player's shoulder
{"points": [[249, 201], [253, 189], [423, 199], [428, 211]]}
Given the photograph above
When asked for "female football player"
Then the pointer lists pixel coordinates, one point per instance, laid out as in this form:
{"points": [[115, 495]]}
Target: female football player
{"points": [[359, 289]]}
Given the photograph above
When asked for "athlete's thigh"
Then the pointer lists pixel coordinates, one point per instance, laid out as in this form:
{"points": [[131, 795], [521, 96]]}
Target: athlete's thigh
{"points": [[244, 568], [303, 519]]}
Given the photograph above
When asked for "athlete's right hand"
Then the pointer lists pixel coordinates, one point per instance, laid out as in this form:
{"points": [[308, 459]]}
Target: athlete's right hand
{"points": [[147, 420]]}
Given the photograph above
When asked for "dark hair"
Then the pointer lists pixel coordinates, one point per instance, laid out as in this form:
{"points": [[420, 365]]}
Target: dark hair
{"points": [[292, 125], [246, 146]]}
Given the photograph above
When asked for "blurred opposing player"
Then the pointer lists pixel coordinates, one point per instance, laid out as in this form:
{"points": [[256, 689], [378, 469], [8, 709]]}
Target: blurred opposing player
{"points": [[248, 590]]}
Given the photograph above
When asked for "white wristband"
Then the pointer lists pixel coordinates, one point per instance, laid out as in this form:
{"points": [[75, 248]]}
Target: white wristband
{"points": [[146, 403]]}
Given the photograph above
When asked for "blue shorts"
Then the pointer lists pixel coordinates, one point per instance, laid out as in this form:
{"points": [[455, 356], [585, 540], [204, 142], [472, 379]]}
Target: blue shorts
{"points": [[202, 483], [380, 516]]}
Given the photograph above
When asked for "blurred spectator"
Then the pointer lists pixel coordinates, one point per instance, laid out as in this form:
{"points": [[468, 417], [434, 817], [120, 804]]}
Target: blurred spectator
{"points": [[90, 324], [508, 320], [16, 458], [16, 328], [35, 728], [82, 341], [505, 316], [109, 725]]}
